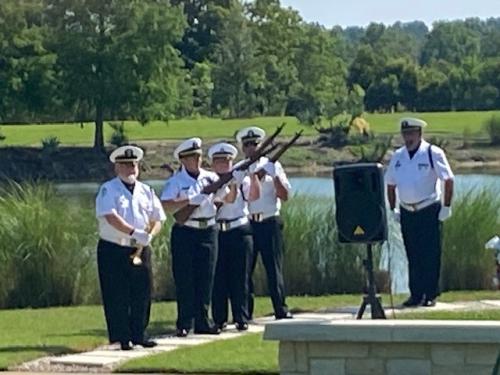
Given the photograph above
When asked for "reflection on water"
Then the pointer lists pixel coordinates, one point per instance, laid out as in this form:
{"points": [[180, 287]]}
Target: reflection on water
{"points": [[393, 255]]}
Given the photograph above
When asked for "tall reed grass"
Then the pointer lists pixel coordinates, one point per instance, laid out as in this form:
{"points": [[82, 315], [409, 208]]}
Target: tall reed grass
{"points": [[465, 262], [47, 249], [47, 246]]}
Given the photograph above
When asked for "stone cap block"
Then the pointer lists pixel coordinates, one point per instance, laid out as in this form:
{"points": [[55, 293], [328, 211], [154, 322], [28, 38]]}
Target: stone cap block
{"points": [[389, 331]]}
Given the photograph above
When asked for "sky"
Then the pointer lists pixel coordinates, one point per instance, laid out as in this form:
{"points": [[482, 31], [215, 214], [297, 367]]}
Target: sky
{"points": [[362, 12]]}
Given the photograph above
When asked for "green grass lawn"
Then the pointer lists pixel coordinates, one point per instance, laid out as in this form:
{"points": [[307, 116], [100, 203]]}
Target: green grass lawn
{"points": [[213, 128], [249, 354], [31, 333]]}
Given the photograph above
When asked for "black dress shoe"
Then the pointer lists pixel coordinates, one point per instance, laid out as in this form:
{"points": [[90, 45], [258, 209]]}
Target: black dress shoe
{"points": [[181, 332], [429, 302], [145, 343], [126, 345], [214, 330], [287, 315], [241, 326], [412, 302]]}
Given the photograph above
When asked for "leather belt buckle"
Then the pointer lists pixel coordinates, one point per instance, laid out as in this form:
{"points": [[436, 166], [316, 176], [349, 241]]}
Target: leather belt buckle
{"points": [[224, 226]]}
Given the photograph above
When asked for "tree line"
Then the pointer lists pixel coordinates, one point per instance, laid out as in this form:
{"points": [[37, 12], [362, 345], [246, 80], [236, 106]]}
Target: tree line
{"points": [[96, 60]]}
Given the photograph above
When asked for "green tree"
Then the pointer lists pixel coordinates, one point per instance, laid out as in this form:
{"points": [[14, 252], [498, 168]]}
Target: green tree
{"points": [[434, 90], [27, 77], [366, 67], [116, 58], [276, 33], [452, 42], [205, 20], [203, 86], [322, 73], [237, 73]]}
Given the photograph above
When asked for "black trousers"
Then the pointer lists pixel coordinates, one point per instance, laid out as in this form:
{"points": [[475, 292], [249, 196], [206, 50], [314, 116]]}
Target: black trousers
{"points": [[422, 239], [125, 290], [194, 253], [231, 274], [268, 241]]}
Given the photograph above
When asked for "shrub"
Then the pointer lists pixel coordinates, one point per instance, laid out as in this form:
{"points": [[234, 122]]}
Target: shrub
{"points": [[118, 137], [50, 145], [492, 127]]}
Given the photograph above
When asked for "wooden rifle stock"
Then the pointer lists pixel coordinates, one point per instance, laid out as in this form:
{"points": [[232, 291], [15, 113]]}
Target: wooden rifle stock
{"points": [[182, 215]]}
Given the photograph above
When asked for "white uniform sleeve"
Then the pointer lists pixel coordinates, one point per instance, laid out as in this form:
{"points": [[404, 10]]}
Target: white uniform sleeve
{"points": [[105, 202], [280, 173], [158, 212], [170, 191], [441, 165], [390, 177]]}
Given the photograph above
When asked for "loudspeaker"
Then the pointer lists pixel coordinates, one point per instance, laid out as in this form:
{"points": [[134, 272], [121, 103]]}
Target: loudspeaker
{"points": [[360, 203]]}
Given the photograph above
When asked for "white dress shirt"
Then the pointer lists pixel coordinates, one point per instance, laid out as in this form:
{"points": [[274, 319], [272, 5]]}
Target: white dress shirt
{"points": [[137, 209], [181, 184], [239, 208], [268, 204], [415, 179]]}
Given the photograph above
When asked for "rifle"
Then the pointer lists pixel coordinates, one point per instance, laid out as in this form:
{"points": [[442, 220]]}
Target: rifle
{"points": [[280, 152], [182, 215]]}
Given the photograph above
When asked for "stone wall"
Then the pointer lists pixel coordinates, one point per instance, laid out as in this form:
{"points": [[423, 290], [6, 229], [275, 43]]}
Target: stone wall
{"points": [[324, 358], [379, 347]]}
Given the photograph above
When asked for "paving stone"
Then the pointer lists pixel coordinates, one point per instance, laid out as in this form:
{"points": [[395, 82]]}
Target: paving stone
{"points": [[85, 360]]}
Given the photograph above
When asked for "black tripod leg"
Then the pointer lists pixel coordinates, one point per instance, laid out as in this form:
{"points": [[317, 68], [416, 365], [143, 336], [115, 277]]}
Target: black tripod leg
{"points": [[361, 310], [377, 309]]}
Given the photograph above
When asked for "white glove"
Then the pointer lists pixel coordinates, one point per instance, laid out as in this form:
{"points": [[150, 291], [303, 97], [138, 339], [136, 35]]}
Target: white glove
{"points": [[142, 237], [493, 243], [239, 176], [270, 169], [444, 213], [197, 199], [396, 215]]}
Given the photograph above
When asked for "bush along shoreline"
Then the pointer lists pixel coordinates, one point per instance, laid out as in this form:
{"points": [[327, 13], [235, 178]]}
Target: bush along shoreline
{"points": [[47, 249]]}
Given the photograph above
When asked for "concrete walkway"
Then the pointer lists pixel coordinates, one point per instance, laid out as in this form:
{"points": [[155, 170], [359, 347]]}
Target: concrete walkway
{"points": [[107, 358]]}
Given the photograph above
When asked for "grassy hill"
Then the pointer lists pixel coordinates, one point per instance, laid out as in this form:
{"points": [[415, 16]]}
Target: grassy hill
{"points": [[453, 123]]}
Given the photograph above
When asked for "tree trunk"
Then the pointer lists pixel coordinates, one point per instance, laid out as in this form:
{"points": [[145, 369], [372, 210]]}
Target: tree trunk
{"points": [[99, 125]]}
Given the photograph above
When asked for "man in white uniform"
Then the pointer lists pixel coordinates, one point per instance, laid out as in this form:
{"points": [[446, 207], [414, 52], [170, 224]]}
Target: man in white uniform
{"points": [[193, 243], [267, 225], [415, 172], [235, 240], [129, 214]]}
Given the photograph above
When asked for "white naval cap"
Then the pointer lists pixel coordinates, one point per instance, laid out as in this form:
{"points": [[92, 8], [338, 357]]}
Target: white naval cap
{"points": [[222, 150], [190, 146], [126, 154], [251, 133], [410, 123]]}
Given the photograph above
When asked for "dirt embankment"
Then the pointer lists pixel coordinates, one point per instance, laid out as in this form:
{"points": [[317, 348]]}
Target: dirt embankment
{"points": [[84, 164]]}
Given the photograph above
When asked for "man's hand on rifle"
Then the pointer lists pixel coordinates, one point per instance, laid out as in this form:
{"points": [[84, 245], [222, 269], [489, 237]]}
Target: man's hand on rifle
{"points": [[142, 237], [239, 176], [270, 169], [198, 199]]}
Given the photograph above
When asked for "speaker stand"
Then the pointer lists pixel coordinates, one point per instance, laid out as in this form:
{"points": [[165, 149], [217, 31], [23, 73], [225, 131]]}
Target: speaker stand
{"points": [[371, 298]]}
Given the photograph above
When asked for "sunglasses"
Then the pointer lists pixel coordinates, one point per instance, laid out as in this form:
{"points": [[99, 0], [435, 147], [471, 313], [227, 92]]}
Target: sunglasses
{"points": [[250, 143]]}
